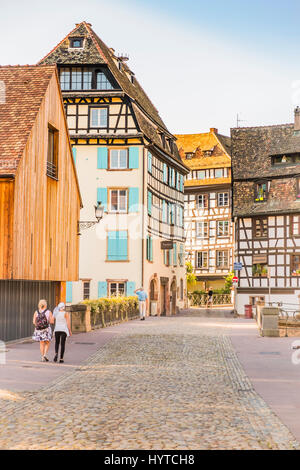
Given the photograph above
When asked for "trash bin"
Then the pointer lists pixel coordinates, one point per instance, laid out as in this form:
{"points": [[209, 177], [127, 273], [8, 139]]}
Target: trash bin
{"points": [[248, 311]]}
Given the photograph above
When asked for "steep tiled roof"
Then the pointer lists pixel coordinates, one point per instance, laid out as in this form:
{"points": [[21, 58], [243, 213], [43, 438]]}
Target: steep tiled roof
{"points": [[20, 100], [253, 147], [96, 52], [198, 144]]}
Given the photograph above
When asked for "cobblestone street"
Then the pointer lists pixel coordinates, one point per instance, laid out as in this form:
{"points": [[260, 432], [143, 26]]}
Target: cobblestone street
{"points": [[167, 383]]}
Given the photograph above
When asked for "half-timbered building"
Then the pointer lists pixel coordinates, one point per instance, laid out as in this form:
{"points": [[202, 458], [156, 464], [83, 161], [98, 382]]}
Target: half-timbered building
{"points": [[208, 218], [39, 197], [266, 209], [128, 160]]}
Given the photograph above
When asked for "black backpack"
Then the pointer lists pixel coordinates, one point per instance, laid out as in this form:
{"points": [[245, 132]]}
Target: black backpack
{"points": [[41, 322]]}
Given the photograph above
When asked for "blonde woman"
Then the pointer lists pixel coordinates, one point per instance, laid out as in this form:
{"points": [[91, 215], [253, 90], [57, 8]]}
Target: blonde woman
{"points": [[62, 330], [42, 318]]}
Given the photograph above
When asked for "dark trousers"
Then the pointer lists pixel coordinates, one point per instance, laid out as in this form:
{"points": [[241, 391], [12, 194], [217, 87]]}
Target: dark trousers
{"points": [[60, 336]]}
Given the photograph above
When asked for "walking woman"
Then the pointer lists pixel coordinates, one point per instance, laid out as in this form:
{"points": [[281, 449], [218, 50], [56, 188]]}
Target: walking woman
{"points": [[42, 318], [62, 330]]}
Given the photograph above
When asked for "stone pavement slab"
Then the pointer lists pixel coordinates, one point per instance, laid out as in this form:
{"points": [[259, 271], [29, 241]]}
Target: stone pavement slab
{"points": [[166, 383]]}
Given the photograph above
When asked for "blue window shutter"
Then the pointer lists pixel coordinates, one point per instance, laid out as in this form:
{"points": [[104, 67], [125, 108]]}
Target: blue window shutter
{"points": [[175, 254], [149, 202], [165, 173], [133, 199], [151, 248], [112, 245], [133, 157], [130, 288], [164, 210], [147, 248], [102, 197], [102, 153], [74, 150], [102, 289], [69, 292], [123, 245], [117, 245], [149, 162], [181, 182]]}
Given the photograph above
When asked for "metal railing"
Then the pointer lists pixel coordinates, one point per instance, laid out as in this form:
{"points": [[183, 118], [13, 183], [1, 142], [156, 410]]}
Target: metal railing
{"points": [[201, 300], [51, 170]]}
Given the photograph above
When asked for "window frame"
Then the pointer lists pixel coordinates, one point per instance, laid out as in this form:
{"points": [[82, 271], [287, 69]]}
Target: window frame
{"points": [[205, 229], [72, 40], [206, 198], [109, 167], [117, 282], [224, 235], [228, 199], [228, 259], [118, 210], [257, 199], [91, 108], [203, 252], [292, 224], [84, 295], [52, 164], [254, 228]]}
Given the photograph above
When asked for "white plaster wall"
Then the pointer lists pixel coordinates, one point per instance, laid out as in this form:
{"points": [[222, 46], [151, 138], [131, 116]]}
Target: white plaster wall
{"points": [[92, 254]]}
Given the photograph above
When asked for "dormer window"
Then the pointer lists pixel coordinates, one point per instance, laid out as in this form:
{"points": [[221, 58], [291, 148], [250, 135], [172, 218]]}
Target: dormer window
{"points": [[286, 159], [261, 192], [102, 82], [76, 43], [189, 155]]}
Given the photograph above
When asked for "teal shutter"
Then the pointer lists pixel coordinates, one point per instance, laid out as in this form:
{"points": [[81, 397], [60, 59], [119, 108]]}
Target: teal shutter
{"points": [[123, 245], [133, 199], [165, 257], [181, 182], [102, 154], [130, 288], [117, 245], [175, 254], [69, 292], [149, 162], [151, 248], [165, 173], [102, 197], [74, 150], [164, 218], [133, 157], [149, 202], [102, 289], [147, 247]]}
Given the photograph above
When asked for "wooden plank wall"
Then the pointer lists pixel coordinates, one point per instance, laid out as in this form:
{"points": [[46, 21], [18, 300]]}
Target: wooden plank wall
{"points": [[46, 244], [6, 226]]}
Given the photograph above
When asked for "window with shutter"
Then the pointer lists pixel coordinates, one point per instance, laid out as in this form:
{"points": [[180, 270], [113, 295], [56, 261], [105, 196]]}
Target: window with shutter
{"points": [[117, 245]]}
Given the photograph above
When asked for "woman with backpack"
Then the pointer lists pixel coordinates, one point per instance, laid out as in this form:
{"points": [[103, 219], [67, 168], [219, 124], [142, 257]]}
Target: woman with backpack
{"points": [[42, 318], [62, 330]]}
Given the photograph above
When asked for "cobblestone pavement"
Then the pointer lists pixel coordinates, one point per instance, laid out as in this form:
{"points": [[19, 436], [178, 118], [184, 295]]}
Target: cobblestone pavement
{"points": [[167, 383]]}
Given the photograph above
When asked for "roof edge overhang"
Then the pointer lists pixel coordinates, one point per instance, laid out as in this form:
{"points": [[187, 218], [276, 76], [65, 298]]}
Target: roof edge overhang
{"points": [[168, 158]]}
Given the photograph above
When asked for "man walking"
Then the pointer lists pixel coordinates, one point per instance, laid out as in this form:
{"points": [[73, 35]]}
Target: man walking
{"points": [[143, 302]]}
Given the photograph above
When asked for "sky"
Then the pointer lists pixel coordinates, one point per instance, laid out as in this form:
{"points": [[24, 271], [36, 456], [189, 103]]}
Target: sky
{"points": [[201, 63]]}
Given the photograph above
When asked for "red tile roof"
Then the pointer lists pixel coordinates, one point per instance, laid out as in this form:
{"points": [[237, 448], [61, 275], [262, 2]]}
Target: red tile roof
{"points": [[22, 89]]}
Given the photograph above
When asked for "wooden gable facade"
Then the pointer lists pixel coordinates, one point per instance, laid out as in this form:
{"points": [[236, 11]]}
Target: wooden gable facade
{"points": [[266, 175], [208, 217], [39, 194]]}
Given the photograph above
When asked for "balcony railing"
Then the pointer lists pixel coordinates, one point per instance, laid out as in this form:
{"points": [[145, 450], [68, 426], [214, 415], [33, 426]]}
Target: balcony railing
{"points": [[199, 300]]}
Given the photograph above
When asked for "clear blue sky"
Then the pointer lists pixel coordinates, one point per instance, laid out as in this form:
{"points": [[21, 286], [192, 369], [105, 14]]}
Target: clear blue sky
{"points": [[200, 62]]}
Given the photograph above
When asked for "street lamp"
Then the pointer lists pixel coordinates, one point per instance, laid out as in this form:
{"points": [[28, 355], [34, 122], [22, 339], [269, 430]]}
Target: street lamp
{"points": [[99, 211]]}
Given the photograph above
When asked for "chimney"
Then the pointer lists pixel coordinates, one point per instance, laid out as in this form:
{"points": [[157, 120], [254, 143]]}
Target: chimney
{"points": [[213, 130], [297, 119]]}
